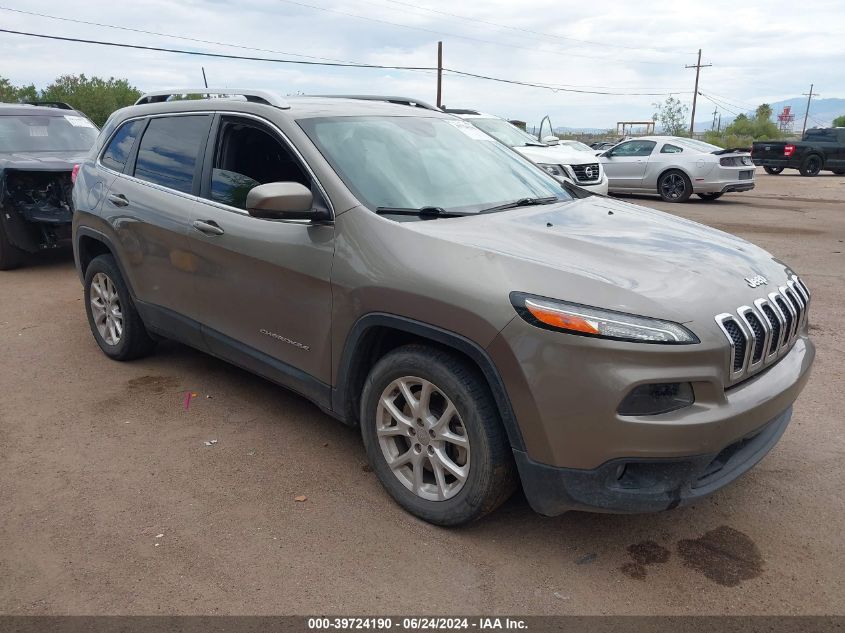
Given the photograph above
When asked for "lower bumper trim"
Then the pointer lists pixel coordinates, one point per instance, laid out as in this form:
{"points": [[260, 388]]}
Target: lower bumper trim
{"points": [[641, 485]]}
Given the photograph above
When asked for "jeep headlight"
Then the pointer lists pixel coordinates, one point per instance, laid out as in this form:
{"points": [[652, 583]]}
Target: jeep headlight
{"points": [[582, 320]]}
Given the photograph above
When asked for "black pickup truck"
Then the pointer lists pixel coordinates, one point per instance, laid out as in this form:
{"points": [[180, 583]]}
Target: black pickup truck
{"points": [[39, 146], [821, 149]]}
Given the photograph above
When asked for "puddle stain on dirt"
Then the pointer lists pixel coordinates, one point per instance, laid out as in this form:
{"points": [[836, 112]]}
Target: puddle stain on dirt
{"points": [[644, 554], [724, 555], [153, 384]]}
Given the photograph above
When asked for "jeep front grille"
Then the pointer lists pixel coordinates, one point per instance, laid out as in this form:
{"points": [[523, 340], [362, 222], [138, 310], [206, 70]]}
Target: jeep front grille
{"points": [[586, 173], [758, 335]]}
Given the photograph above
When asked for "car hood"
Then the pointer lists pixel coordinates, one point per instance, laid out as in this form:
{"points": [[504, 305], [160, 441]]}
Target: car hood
{"points": [[556, 155], [616, 255], [46, 160]]}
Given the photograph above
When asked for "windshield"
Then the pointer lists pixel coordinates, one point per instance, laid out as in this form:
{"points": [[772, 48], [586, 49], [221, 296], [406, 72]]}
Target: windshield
{"points": [[581, 147], [36, 133], [416, 162], [701, 146], [505, 132]]}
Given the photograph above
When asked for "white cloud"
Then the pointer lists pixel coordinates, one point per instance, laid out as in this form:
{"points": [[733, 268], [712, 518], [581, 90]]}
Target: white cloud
{"points": [[759, 51]]}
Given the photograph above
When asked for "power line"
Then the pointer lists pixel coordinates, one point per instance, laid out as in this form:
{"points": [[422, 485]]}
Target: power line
{"points": [[162, 49], [467, 37], [178, 37], [529, 31], [718, 105]]}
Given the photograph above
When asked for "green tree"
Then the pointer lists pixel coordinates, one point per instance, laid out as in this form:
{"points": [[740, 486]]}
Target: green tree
{"points": [[96, 97], [9, 93], [839, 121], [744, 129], [672, 116]]}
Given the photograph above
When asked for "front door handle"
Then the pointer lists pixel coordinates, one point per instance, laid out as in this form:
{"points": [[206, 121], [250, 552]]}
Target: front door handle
{"points": [[118, 199], [209, 227]]}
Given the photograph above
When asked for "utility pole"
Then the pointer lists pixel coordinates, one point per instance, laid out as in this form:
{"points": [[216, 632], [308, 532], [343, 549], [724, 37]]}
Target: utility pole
{"points": [[439, 74], [715, 112], [698, 68], [204, 80], [719, 128], [809, 96]]}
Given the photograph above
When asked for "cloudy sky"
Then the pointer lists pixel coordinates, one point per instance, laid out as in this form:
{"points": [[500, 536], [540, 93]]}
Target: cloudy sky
{"points": [[759, 51]]}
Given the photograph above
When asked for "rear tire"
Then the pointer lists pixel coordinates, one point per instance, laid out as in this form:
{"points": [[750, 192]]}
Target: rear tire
{"points": [[774, 171], [811, 165], [674, 186], [114, 321], [710, 196], [450, 459], [10, 256]]}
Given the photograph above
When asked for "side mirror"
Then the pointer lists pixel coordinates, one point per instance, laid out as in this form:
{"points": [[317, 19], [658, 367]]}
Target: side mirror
{"points": [[607, 154], [551, 140], [281, 200]]}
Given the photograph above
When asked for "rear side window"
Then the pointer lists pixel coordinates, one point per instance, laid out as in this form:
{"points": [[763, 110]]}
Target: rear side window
{"points": [[671, 149], [170, 149], [118, 150]]}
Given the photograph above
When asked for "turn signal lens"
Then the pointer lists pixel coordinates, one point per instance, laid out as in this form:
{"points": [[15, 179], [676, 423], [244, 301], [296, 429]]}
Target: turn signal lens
{"points": [[582, 320], [560, 320]]}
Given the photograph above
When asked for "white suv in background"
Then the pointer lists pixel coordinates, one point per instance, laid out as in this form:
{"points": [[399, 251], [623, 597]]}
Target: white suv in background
{"points": [[563, 162]]}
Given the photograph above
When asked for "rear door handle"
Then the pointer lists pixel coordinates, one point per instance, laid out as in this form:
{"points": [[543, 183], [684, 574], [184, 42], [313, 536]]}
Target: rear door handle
{"points": [[118, 199], [209, 227]]}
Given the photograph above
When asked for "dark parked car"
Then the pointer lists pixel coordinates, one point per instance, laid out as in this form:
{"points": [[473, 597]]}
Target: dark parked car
{"points": [[39, 146], [822, 149]]}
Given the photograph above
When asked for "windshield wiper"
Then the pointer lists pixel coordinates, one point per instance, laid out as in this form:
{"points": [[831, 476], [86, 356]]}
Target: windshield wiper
{"points": [[423, 212], [522, 202], [535, 144]]}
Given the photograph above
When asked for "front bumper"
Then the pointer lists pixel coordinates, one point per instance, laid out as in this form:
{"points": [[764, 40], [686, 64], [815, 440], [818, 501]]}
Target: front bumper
{"points": [[565, 391], [599, 187], [632, 486]]}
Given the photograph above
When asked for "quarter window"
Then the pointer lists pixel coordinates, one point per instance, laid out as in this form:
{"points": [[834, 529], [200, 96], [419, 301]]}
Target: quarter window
{"points": [[246, 156], [169, 149], [671, 149], [121, 144]]}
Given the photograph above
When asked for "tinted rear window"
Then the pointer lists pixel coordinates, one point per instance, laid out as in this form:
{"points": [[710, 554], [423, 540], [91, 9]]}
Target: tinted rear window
{"points": [[121, 144], [169, 151]]}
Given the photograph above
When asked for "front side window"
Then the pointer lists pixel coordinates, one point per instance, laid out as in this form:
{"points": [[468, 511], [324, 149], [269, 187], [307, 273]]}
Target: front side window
{"points": [[670, 149], [634, 148], [37, 133], [117, 152], [246, 156], [170, 149], [416, 162]]}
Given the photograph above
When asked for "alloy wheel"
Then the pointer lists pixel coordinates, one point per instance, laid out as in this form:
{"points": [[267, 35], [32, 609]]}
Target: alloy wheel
{"points": [[106, 309], [423, 438], [673, 186]]}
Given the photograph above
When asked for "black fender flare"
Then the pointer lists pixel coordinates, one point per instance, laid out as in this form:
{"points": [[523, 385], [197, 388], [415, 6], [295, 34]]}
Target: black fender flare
{"points": [[85, 231], [352, 352]]}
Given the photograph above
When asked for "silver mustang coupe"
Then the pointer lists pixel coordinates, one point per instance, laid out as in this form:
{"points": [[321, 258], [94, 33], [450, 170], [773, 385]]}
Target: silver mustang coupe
{"points": [[675, 168]]}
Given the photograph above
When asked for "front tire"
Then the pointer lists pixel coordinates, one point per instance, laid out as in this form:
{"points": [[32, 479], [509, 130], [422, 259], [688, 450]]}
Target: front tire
{"points": [[114, 321], [811, 165], [434, 437], [10, 256], [710, 196], [674, 186], [774, 171]]}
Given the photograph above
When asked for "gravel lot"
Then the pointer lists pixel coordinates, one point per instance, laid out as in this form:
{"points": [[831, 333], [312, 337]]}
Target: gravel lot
{"points": [[113, 504]]}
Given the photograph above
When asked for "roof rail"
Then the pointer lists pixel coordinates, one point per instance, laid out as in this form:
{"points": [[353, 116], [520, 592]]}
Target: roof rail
{"points": [[407, 101], [460, 111], [60, 105], [267, 97]]}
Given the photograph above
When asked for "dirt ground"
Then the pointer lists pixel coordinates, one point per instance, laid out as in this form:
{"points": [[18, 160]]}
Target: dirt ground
{"points": [[113, 504]]}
